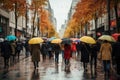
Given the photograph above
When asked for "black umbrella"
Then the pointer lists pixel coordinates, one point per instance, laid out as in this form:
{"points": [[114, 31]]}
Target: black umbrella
{"points": [[66, 41]]}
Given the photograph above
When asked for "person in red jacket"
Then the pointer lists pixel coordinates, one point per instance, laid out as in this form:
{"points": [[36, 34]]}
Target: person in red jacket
{"points": [[73, 48], [67, 55]]}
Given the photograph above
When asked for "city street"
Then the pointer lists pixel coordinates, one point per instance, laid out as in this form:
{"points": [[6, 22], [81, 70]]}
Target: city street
{"points": [[24, 70]]}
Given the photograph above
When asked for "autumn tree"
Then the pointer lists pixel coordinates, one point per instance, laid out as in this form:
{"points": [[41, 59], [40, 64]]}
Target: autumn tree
{"points": [[46, 26], [36, 6], [87, 10], [17, 6]]}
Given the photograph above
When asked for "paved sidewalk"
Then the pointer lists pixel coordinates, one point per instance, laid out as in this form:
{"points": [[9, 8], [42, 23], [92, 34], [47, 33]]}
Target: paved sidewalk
{"points": [[22, 57]]}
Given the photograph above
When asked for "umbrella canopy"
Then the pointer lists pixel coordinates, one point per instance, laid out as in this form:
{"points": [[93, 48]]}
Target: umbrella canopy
{"points": [[57, 41], [88, 39], [50, 39], [75, 39], [11, 37], [66, 41], [36, 40], [115, 36], [107, 37]]}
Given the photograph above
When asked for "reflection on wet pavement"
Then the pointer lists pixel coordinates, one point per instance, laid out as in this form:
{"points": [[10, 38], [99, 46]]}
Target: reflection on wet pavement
{"points": [[24, 70]]}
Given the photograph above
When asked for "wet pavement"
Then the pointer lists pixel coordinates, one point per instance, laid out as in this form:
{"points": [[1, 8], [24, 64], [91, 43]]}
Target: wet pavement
{"points": [[24, 70]]}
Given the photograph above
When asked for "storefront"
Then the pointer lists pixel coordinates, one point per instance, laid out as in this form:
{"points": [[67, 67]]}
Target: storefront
{"points": [[4, 26]]}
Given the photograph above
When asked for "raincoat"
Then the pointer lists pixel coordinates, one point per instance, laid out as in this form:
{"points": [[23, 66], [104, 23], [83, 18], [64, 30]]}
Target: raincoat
{"points": [[67, 51], [73, 47], [106, 50], [35, 52]]}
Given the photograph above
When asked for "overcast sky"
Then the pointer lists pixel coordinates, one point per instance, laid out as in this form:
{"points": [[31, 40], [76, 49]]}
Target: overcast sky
{"points": [[61, 9]]}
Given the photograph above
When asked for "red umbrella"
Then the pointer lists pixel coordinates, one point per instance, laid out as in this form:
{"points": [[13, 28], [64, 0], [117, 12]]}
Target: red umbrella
{"points": [[115, 36]]}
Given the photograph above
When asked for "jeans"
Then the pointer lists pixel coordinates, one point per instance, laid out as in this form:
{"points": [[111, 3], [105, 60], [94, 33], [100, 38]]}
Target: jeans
{"points": [[106, 65], [56, 57], [67, 61]]}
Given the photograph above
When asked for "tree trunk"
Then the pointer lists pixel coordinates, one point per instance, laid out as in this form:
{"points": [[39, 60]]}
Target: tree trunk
{"points": [[116, 14], [108, 10], [86, 29], [95, 28], [15, 19], [34, 23], [26, 18]]}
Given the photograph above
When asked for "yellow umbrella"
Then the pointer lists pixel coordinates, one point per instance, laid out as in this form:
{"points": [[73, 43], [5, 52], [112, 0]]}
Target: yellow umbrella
{"points": [[88, 39], [107, 37], [56, 41], [35, 40]]}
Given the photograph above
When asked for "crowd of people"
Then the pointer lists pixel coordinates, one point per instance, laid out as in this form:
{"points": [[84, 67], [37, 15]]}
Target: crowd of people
{"points": [[10, 51], [106, 52]]}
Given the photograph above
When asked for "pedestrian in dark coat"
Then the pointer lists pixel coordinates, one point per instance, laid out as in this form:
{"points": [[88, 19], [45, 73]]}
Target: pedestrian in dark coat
{"points": [[78, 47], [27, 50], [116, 55], [57, 51], [50, 49], [85, 51], [35, 54], [44, 51], [19, 47], [6, 52], [93, 59]]}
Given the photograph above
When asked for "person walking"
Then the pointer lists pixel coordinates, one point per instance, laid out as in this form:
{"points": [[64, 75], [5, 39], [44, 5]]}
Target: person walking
{"points": [[50, 49], [105, 51], [19, 47], [85, 52], [13, 46], [78, 48], [44, 51], [93, 58], [116, 56], [27, 51], [6, 51], [57, 51], [67, 56], [35, 54]]}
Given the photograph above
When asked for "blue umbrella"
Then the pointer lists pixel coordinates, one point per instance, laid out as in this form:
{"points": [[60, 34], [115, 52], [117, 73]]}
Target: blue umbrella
{"points": [[50, 39], [11, 37]]}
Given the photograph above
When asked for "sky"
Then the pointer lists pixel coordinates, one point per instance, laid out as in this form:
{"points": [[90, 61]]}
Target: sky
{"points": [[60, 9]]}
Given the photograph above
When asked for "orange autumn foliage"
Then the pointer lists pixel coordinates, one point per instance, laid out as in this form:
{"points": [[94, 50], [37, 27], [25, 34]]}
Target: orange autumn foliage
{"points": [[86, 10], [9, 5]]}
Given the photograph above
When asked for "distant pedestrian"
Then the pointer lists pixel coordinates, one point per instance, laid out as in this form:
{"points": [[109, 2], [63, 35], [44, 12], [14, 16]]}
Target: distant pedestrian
{"points": [[13, 46], [78, 48], [27, 50], [6, 51], [44, 51], [50, 49], [106, 50], [19, 47], [35, 54]]}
